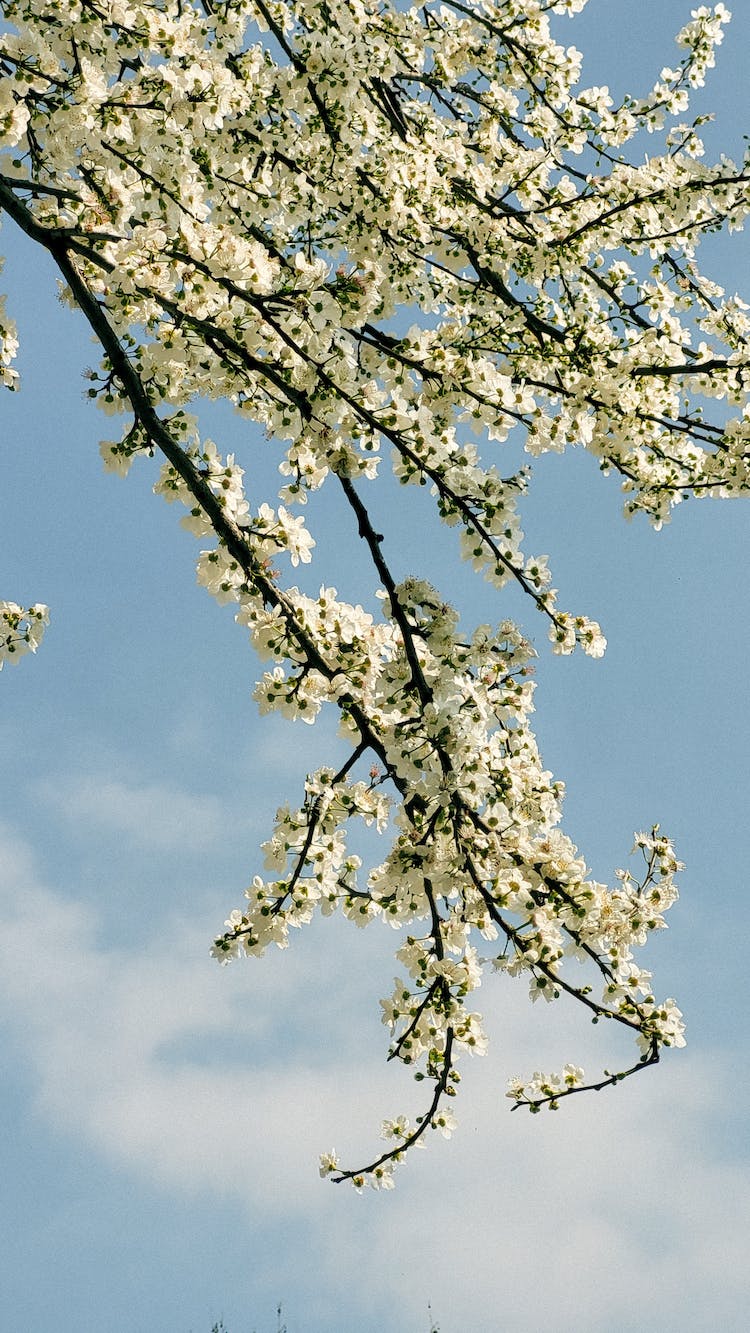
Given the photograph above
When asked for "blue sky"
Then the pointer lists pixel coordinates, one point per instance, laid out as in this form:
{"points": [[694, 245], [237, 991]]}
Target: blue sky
{"points": [[162, 1117]]}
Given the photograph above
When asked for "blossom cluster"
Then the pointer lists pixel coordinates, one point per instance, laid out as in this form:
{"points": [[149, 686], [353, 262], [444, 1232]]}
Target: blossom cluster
{"points": [[21, 630], [250, 201]]}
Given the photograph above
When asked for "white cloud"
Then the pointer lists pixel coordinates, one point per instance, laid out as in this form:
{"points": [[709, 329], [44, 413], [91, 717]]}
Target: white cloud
{"points": [[619, 1212], [613, 1215], [101, 1024], [150, 815]]}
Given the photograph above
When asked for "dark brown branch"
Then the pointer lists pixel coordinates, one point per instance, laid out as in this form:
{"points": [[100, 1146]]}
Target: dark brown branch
{"points": [[609, 1081]]}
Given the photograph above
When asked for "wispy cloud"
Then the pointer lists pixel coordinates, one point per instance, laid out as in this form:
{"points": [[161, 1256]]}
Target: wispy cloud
{"points": [[614, 1214], [122, 1044], [150, 815]]}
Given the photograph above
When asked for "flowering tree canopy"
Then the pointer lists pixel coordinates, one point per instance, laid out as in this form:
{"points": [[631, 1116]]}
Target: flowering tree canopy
{"points": [[382, 226]]}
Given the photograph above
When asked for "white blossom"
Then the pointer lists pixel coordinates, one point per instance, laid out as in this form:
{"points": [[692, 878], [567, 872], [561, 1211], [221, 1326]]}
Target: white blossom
{"points": [[250, 205]]}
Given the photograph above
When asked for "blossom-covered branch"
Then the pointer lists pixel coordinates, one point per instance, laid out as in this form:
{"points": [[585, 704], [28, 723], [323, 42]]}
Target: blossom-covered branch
{"points": [[368, 225]]}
